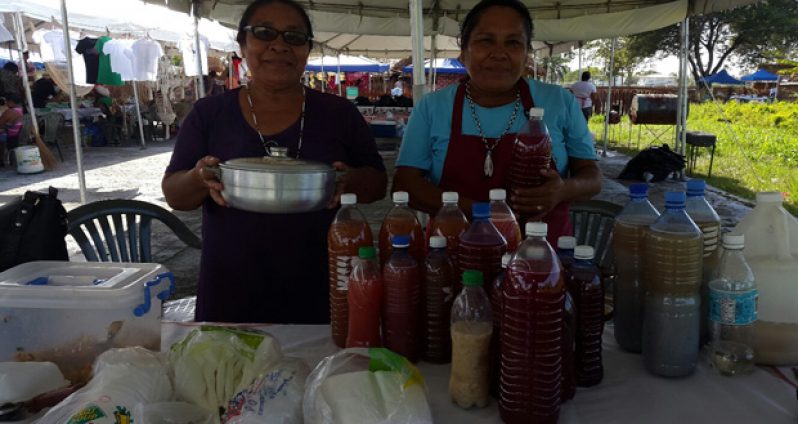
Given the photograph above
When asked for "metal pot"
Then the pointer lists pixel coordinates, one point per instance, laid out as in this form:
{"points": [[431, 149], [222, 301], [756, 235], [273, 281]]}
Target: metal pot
{"points": [[276, 183]]}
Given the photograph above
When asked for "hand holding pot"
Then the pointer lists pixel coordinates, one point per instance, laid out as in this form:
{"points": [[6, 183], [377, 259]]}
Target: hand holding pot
{"points": [[210, 179], [342, 176]]}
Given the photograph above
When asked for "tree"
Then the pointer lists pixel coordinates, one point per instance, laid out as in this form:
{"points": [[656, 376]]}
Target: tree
{"points": [[555, 66], [753, 33], [627, 61], [575, 75]]}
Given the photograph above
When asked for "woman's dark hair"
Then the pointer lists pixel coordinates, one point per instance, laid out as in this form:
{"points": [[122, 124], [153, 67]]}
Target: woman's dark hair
{"points": [[472, 19], [253, 7], [11, 67], [585, 76]]}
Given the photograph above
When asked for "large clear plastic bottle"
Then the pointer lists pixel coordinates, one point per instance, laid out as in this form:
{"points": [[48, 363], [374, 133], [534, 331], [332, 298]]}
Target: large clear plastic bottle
{"points": [[496, 308], [709, 222], [481, 245], [733, 310], [402, 301], [565, 252], [530, 377], [349, 231], [584, 284], [365, 301], [531, 153], [401, 220], [674, 250], [472, 326], [504, 219], [448, 222], [439, 282], [629, 232]]}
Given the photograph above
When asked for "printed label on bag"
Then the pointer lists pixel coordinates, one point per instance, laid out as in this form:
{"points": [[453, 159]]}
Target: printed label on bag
{"points": [[732, 307]]}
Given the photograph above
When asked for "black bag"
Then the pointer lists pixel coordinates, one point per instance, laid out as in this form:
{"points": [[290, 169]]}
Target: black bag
{"points": [[659, 161], [33, 228]]}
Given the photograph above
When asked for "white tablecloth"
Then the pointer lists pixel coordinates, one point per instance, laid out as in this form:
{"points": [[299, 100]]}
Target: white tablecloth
{"points": [[628, 394]]}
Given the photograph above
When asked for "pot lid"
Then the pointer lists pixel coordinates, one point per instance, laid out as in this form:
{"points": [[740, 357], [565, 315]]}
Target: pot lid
{"points": [[278, 161]]}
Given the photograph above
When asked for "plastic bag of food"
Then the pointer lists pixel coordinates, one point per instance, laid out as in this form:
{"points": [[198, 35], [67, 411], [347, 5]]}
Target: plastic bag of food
{"points": [[172, 413], [22, 381], [275, 397], [366, 386]]}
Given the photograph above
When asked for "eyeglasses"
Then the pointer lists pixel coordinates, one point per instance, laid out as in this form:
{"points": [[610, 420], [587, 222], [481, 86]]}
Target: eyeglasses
{"points": [[265, 33]]}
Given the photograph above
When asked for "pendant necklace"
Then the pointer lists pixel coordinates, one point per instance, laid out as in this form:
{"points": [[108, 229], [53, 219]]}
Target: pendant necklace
{"points": [[489, 147], [271, 143]]}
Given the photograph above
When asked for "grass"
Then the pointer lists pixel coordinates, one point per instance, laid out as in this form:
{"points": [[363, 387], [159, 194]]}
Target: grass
{"points": [[757, 147]]}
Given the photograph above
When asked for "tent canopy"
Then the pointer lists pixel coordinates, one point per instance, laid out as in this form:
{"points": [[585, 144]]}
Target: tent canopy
{"points": [[761, 75], [348, 64], [442, 66], [722, 77]]}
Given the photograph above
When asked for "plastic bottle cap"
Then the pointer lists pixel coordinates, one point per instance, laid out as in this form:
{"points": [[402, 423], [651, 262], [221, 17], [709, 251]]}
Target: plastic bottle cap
{"points": [[437, 242], [497, 194], [566, 242], [349, 199], [638, 190], [400, 241], [480, 210], [584, 252], [506, 259], [733, 241], [675, 199], [536, 112], [769, 197], [696, 188], [367, 252], [472, 278], [536, 229], [450, 197], [401, 197]]}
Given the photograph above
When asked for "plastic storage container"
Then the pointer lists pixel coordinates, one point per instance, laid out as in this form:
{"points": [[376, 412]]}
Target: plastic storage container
{"points": [[70, 312]]}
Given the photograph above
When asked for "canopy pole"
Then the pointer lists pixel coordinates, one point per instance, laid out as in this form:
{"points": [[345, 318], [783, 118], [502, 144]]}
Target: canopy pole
{"points": [[323, 74], [417, 42], [609, 96], [338, 75], [73, 102], [198, 48], [534, 65], [433, 70], [230, 71], [20, 30], [138, 114], [681, 128], [579, 73]]}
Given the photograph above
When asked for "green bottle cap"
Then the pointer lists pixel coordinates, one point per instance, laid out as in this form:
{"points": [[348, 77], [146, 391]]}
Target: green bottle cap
{"points": [[367, 252], [472, 278]]}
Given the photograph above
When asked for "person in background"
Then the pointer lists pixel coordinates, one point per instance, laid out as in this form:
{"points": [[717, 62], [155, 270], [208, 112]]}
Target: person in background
{"points": [[10, 127], [10, 82], [213, 84], [451, 131], [43, 90], [258, 267], [585, 93]]}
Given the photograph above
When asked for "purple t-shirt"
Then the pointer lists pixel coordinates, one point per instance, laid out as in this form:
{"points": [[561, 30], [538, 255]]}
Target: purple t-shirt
{"points": [[268, 267]]}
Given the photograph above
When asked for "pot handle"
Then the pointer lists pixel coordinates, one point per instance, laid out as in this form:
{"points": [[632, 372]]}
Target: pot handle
{"points": [[215, 170]]}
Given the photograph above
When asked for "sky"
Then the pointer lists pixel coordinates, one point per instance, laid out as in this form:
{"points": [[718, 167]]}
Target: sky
{"points": [[667, 66]]}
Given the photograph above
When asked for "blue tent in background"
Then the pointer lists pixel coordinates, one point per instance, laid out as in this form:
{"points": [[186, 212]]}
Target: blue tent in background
{"points": [[761, 75], [348, 64], [39, 66], [722, 77], [442, 66]]}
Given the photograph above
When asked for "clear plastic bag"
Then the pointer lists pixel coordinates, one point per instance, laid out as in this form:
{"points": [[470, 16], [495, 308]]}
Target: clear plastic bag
{"points": [[171, 413], [359, 386]]}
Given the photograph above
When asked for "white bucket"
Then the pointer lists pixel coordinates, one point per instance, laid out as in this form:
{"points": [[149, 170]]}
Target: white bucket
{"points": [[29, 160]]}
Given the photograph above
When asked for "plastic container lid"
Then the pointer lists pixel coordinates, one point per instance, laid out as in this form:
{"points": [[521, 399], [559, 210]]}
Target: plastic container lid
{"points": [[401, 197], [536, 229], [480, 210], [638, 190], [506, 259], [536, 112], [437, 242], [584, 252], [769, 197], [675, 199], [733, 241], [696, 188], [450, 197], [497, 194], [566, 242], [367, 252], [349, 199], [472, 278], [400, 241]]}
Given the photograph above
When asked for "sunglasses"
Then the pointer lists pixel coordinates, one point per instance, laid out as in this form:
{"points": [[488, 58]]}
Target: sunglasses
{"points": [[265, 33]]}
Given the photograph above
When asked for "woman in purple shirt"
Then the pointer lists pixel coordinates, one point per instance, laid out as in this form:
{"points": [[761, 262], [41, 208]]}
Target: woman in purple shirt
{"points": [[269, 267]]}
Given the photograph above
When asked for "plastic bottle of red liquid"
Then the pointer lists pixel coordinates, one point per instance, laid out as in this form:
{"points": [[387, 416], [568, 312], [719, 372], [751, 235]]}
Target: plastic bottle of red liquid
{"points": [[401, 220], [503, 218], [530, 377], [448, 222], [565, 251], [588, 293], [439, 281], [531, 153], [496, 307], [365, 301], [481, 246], [401, 301], [349, 231]]}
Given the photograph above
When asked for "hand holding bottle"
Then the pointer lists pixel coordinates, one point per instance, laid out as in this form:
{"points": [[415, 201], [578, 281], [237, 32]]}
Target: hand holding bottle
{"points": [[536, 202]]}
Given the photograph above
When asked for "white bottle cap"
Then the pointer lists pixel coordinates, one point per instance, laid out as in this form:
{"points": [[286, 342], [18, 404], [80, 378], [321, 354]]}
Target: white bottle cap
{"points": [[348, 199], [536, 229], [536, 112], [450, 197], [566, 242], [498, 194], [401, 197], [733, 241], [506, 259], [769, 197], [583, 252], [437, 242]]}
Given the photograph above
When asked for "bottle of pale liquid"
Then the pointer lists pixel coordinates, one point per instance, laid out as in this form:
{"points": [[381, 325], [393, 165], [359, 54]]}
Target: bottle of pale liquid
{"points": [[472, 326], [733, 310], [439, 278], [628, 240], [503, 218], [349, 231], [674, 249], [401, 220], [709, 222]]}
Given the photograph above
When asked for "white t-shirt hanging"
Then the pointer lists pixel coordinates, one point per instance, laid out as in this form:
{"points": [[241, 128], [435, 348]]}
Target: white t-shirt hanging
{"points": [[146, 53], [188, 49], [51, 46], [121, 57]]}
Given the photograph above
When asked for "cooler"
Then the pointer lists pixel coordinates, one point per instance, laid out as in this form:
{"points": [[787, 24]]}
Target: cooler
{"points": [[70, 312]]}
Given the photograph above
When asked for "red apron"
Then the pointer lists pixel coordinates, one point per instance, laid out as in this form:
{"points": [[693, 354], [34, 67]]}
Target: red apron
{"points": [[463, 167]]}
